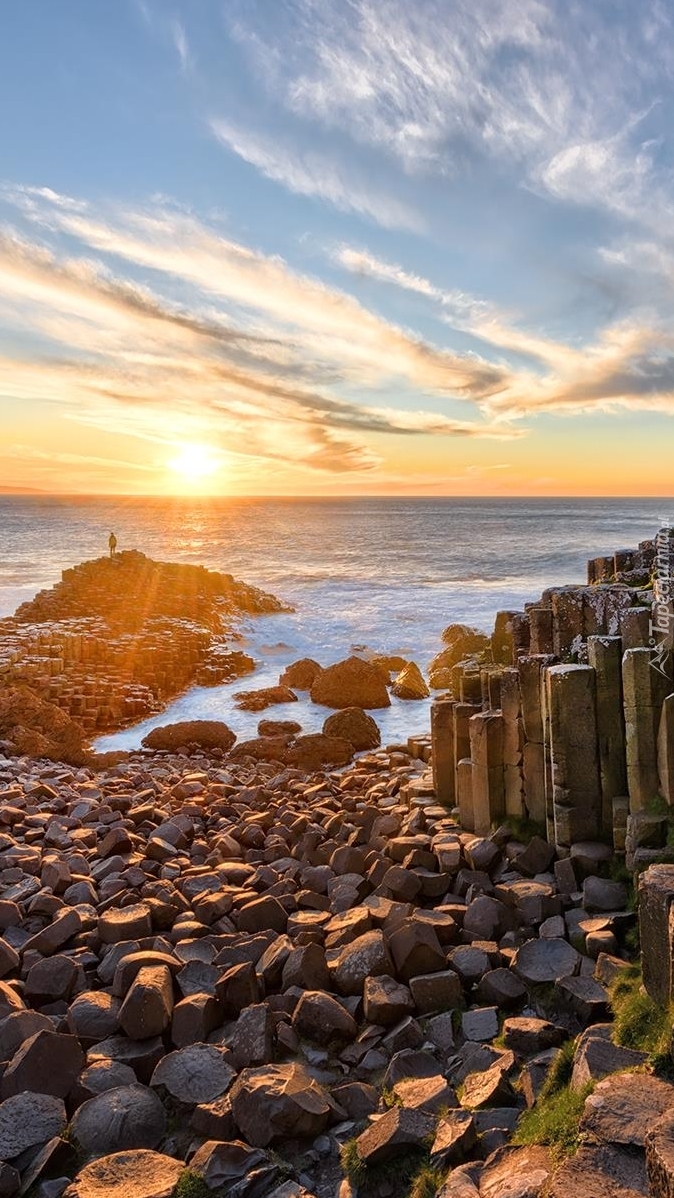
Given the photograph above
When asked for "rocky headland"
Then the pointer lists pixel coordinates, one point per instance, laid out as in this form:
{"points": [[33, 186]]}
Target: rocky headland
{"points": [[310, 966]]}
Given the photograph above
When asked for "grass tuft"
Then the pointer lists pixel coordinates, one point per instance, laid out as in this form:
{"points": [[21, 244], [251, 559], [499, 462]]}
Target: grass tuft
{"points": [[410, 1172], [638, 1021], [352, 1162], [554, 1121], [426, 1183], [191, 1184]]}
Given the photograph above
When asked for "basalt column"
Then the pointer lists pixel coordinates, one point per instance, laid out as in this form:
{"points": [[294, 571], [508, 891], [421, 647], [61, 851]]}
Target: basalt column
{"points": [[464, 774], [576, 785], [644, 689], [486, 751], [442, 742], [513, 744], [605, 656], [531, 671], [666, 750]]}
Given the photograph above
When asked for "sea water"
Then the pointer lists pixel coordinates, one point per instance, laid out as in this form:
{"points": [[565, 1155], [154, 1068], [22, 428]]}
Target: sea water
{"points": [[384, 575]]}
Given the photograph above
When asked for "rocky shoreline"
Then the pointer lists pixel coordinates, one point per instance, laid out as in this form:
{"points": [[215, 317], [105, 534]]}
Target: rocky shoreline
{"points": [[247, 970]]}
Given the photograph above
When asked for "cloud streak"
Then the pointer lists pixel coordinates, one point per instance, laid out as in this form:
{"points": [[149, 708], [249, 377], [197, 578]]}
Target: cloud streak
{"points": [[107, 343], [310, 173]]}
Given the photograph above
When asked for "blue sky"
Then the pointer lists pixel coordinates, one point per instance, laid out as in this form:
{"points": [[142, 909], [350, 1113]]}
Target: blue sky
{"points": [[337, 246]]}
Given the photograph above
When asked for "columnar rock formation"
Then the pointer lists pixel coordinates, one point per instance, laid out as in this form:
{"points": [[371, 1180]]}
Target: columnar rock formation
{"points": [[564, 719], [118, 637]]}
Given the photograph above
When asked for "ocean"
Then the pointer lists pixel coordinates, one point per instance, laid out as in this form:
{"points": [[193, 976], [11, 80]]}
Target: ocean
{"points": [[380, 574]]}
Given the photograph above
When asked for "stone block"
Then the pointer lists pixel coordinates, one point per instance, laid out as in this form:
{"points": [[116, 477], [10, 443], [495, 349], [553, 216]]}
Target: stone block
{"points": [[533, 772], [531, 671], [540, 623], [645, 690], [567, 619], [443, 760], [656, 931], [464, 793], [665, 750], [605, 656], [486, 750], [571, 703]]}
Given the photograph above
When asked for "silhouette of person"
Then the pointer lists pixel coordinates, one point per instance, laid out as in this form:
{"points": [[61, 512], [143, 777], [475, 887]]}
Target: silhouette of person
{"points": [[112, 542]]}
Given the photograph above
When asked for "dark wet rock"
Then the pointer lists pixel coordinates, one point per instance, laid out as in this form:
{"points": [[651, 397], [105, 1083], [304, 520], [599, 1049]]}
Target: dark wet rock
{"points": [[207, 734]]}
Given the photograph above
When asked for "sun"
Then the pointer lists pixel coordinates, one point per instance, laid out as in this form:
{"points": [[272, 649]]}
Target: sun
{"points": [[194, 462]]}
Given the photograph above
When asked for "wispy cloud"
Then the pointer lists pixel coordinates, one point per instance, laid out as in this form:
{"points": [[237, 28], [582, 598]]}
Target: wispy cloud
{"points": [[560, 98], [179, 37], [311, 173]]}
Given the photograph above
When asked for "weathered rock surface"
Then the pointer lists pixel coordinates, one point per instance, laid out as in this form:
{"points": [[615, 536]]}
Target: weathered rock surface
{"points": [[351, 683], [133, 1174], [278, 1101], [354, 725]]}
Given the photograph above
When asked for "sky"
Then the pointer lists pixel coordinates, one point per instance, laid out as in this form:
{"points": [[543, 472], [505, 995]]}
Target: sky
{"points": [[337, 247]]}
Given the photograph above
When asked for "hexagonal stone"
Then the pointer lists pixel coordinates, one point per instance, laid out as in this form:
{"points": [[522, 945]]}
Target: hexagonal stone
{"points": [[540, 961]]}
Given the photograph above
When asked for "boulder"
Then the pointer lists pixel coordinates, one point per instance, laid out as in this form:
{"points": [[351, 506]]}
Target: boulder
{"points": [[463, 640], [354, 725], [622, 1108], [351, 683], [386, 1001], [300, 674], [138, 1173], [223, 1165], [126, 1117], [147, 1008], [93, 1016], [410, 683], [207, 734], [279, 1102], [601, 1171], [659, 1144]]}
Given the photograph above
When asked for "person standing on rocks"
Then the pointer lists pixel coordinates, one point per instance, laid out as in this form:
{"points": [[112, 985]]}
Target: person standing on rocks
{"points": [[112, 543]]}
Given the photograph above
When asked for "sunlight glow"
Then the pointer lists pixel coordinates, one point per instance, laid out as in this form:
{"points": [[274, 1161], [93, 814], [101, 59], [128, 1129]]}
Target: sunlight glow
{"points": [[194, 462]]}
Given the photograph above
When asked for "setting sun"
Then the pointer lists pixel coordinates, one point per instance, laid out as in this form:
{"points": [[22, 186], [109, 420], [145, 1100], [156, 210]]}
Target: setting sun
{"points": [[194, 462]]}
